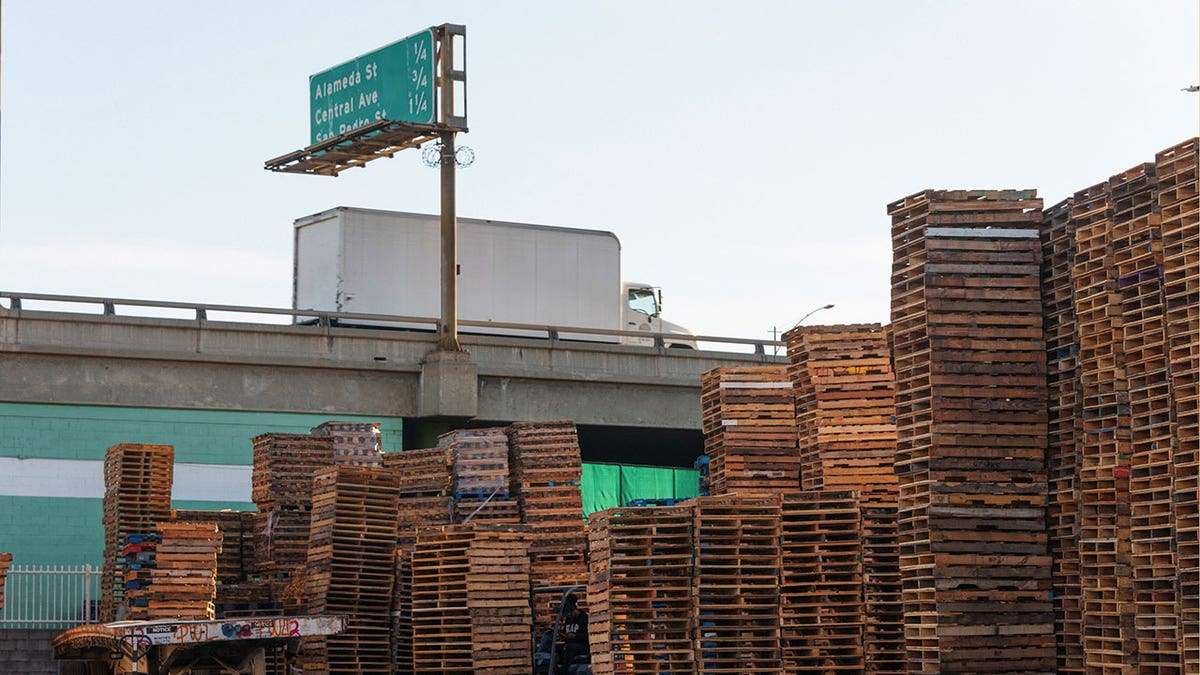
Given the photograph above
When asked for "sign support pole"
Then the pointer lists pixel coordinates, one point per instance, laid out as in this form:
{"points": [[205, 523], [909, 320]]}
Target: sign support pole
{"points": [[448, 340]]}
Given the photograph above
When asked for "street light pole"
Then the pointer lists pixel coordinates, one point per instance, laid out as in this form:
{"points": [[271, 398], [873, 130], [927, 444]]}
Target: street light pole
{"points": [[829, 306]]}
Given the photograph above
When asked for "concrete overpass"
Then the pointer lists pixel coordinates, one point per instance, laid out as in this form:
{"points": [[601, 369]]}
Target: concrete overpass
{"points": [[114, 359]]}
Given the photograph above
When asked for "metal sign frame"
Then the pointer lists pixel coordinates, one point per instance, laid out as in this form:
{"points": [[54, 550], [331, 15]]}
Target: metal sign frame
{"points": [[385, 138]]}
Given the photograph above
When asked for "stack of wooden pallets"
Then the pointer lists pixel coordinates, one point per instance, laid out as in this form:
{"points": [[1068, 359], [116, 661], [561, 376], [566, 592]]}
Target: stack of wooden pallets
{"points": [[1105, 580], [821, 602], [402, 626], [137, 496], [184, 582], [639, 590], [425, 500], [350, 570], [282, 487], [470, 599], [5, 561], [735, 585], [480, 476], [232, 555], [138, 558], [971, 419], [1137, 251], [544, 459], [354, 443], [749, 422], [1179, 206], [1064, 430], [845, 417]]}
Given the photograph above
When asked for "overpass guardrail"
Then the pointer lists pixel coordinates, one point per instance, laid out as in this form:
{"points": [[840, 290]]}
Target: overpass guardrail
{"points": [[324, 318]]}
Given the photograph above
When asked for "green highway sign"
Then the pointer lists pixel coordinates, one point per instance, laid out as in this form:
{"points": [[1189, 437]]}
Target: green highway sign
{"points": [[395, 82]]}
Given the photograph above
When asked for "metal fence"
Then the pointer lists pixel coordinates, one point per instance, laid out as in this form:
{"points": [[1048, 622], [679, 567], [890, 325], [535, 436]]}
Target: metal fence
{"points": [[50, 596]]}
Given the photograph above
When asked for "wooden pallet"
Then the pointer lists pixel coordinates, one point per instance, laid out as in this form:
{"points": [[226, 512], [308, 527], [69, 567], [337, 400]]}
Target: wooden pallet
{"points": [[1064, 431], [546, 466], [350, 566], [640, 590], [1177, 169], [845, 414], [354, 443], [231, 560], [748, 419], [284, 466], [470, 600], [137, 495], [183, 580], [423, 473], [821, 601], [1137, 251], [402, 616], [479, 461], [1107, 609], [735, 584], [971, 419]]}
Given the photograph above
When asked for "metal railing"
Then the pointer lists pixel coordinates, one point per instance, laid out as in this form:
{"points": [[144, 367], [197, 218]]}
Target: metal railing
{"points": [[431, 324], [50, 596]]}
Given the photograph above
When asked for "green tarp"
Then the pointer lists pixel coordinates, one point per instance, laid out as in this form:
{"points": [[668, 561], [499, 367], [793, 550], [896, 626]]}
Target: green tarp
{"points": [[607, 485]]}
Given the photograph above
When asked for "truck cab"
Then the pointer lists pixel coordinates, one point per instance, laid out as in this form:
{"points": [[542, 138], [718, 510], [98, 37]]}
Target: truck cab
{"points": [[640, 310]]}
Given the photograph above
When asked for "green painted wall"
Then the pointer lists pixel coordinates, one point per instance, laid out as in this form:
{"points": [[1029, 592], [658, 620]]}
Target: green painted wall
{"points": [[68, 531], [199, 436]]}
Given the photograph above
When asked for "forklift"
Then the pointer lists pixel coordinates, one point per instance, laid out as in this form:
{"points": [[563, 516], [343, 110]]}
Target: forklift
{"points": [[547, 656]]}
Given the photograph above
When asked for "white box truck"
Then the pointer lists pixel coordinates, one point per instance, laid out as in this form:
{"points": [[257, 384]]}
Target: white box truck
{"points": [[388, 262]]}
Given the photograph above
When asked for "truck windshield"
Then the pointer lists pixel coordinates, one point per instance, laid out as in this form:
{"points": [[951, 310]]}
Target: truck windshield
{"points": [[642, 300]]}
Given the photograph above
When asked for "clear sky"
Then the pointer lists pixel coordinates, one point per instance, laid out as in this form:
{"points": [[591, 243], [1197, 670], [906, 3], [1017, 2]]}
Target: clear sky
{"points": [[743, 152]]}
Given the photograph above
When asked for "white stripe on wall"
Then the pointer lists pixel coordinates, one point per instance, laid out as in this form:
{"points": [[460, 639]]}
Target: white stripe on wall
{"points": [[85, 478]]}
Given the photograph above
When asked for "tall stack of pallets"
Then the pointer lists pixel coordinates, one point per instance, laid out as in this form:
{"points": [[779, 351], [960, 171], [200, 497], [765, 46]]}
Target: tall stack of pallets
{"points": [[735, 585], [480, 476], [5, 561], [640, 590], [1137, 252], [137, 496], [1104, 549], [470, 599], [971, 419], [424, 477], [354, 443], [749, 422], [1179, 206], [184, 578], [544, 459], [845, 418], [282, 487], [821, 602], [402, 626], [350, 570], [1064, 430]]}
